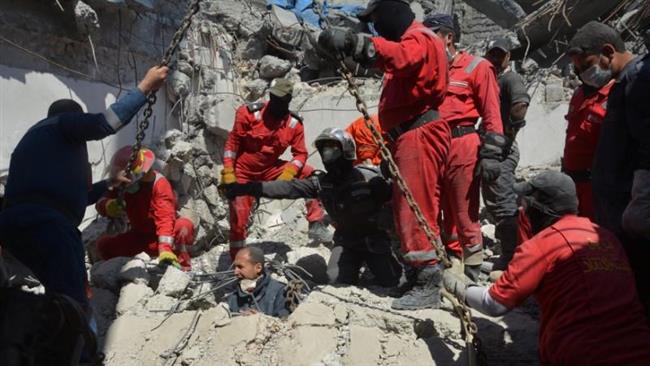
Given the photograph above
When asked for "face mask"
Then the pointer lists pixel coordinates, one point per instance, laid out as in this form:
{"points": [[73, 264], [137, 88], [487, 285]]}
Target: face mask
{"points": [[595, 76], [279, 107], [247, 285], [330, 154]]}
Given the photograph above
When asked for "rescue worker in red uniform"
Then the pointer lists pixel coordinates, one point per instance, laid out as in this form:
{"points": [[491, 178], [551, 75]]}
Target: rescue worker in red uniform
{"points": [[150, 205], [367, 150], [261, 133], [586, 113], [414, 63], [580, 276], [473, 93]]}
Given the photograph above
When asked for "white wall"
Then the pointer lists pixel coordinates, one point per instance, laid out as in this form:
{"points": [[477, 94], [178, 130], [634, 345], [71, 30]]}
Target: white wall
{"points": [[26, 95]]}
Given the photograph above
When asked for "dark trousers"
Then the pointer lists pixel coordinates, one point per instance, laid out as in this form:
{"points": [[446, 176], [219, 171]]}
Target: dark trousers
{"points": [[346, 261]]}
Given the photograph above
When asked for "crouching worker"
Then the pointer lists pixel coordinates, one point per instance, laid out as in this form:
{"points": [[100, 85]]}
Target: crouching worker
{"points": [[256, 292], [579, 275], [354, 197], [150, 205]]}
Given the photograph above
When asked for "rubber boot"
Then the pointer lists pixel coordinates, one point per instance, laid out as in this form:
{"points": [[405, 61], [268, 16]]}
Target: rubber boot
{"points": [[506, 232], [472, 260], [425, 294], [319, 232]]}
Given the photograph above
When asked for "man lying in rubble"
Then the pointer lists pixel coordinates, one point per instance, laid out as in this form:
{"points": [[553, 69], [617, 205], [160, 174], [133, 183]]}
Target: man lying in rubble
{"points": [[256, 290], [261, 133], [580, 276], [49, 187], [354, 197], [498, 195], [150, 205]]}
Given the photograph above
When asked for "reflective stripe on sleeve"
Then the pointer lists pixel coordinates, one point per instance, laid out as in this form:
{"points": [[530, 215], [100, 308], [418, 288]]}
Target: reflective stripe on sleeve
{"points": [[229, 154], [164, 239], [297, 163], [113, 120], [420, 256]]}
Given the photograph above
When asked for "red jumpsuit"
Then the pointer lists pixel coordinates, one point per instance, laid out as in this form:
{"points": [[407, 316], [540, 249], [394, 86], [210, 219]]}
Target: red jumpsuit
{"points": [[253, 150], [415, 81], [586, 113], [581, 278], [154, 226], [473, 92], [367, 149]]}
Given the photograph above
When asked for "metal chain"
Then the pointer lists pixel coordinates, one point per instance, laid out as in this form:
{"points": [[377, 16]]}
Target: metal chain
{"points": [[468, 327], [151, 98], [293, 294]]}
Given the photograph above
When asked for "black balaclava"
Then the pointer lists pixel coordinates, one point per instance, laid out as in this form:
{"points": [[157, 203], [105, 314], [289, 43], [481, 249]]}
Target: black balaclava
{"points": [[279, 106], [64, 106], [333, 160], [393, 18], [539, 215]]}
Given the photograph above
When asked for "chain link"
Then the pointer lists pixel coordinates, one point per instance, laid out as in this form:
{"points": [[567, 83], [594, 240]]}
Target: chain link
{"points": [[293, 294], [468, 327], [143, 125]]}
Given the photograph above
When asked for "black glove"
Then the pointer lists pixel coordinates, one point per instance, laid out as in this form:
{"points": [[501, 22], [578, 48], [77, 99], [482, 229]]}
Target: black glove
{"points": [[234, 190], [335, 40], [492, 153]]}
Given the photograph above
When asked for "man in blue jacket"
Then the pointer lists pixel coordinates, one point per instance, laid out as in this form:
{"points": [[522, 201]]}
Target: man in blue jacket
{"points": [[256, 291], [50, 185]]}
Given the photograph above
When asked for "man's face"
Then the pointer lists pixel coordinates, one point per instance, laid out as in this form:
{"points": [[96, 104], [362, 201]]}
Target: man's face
{"points": [[499, 58], [244, 268], [583, 62]]}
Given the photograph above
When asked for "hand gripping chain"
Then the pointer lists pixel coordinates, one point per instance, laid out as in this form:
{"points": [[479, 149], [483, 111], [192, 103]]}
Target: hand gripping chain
{"points": [[468, 327], [151, 98]]}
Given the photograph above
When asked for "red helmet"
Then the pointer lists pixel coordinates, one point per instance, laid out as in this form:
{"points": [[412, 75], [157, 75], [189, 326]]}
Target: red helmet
{"points": [[142, 165]]}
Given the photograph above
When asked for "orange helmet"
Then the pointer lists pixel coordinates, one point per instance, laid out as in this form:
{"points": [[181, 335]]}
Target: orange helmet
{"points": [[143, 162]]}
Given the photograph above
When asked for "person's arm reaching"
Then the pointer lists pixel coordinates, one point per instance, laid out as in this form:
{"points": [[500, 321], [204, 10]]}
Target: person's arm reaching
{"points": [[278, 189], [89, 126]]}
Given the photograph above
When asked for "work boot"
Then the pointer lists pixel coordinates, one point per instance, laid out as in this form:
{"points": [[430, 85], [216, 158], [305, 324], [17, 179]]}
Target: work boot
{"points": [[319, 232], [472, 259], [506, 233], [425, 293]]}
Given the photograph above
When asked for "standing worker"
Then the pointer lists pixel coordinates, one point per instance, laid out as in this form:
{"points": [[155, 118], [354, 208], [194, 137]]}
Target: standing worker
{"points": [[473, 93], [261, 133], [580, 276], [354, 197], [500, 199], [414, 63], [150, 204], [621, 169], [50, 186], [587, 110]]}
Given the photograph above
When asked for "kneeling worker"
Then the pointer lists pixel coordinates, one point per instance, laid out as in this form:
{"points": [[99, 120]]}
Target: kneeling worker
{"points": [[354, 197], [256, 290], [150, 205], [579, 275]]}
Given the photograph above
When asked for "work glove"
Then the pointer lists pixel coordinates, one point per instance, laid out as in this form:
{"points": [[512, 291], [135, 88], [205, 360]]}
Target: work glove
{"points": [[288, 173], [491, 154], [167, 256], [455, 283], [336, 41], [228, 176], [231, 191], [115, 208]]}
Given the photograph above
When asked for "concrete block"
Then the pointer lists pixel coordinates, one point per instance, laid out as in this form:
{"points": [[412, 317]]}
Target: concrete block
{"points": [[364, 346], [313, 314], [272, 67], [308, 346], [134, 271], [173, 283], [131, 295]]}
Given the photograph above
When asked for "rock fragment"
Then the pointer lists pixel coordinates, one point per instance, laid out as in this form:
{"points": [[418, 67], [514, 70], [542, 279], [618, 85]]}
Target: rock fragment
{"points": [[173, 283]]}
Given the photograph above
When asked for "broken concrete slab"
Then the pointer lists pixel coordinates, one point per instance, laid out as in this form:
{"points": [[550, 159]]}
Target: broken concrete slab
{"points": [[272, 67], [312, 314], [105, 274], [134, 271], [365, 348], [312, 344], [131, 295], [173, 283]]}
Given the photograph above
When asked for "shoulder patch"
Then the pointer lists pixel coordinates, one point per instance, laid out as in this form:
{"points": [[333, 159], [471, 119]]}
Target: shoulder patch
{"points": [[254, 107]]}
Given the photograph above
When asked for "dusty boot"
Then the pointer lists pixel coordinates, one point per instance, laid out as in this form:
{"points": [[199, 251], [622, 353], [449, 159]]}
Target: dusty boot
{"points": [[319, 232], [425, 293], [506, 232], [473, 258]]}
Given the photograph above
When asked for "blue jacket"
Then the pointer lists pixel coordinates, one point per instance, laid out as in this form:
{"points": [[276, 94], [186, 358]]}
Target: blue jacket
{"points": [[50, 163], [269, 298]]}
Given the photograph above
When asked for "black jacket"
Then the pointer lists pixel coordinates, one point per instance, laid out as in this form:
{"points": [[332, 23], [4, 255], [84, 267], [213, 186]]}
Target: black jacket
{"points": [[268, 298]]}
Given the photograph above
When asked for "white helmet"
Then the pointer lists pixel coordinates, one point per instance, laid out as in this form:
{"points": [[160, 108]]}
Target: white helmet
{"points": [[343, 138]]}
